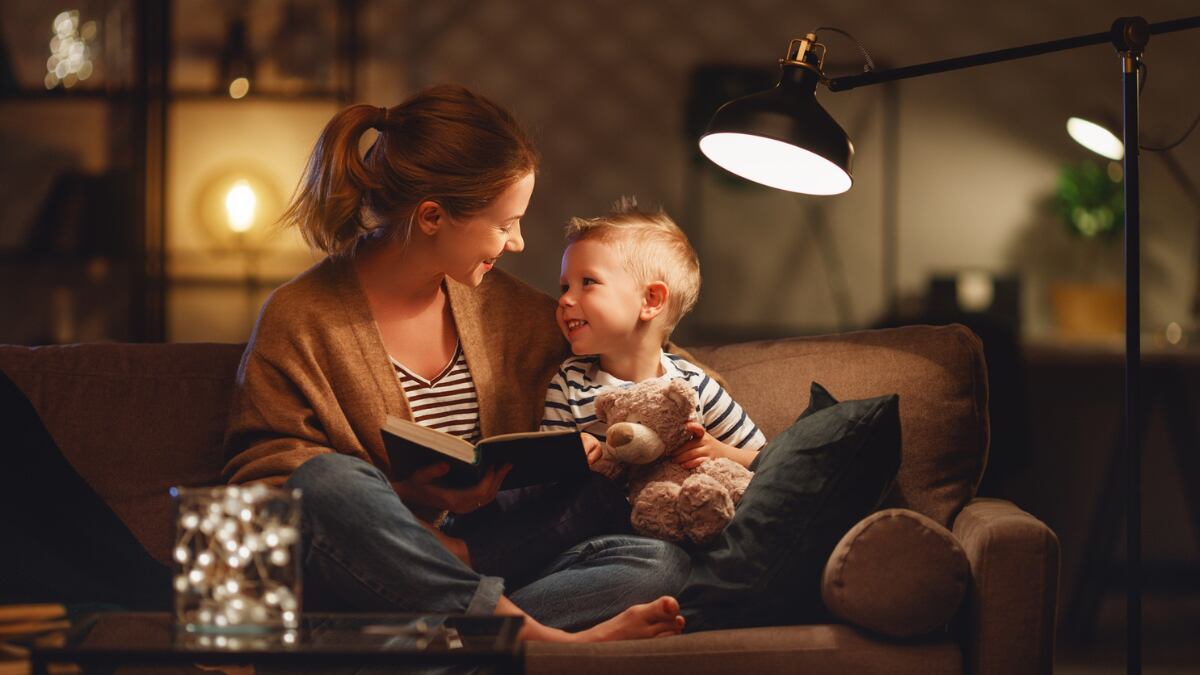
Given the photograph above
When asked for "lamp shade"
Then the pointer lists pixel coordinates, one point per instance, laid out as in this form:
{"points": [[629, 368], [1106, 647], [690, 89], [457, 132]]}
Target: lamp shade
{"points": [[782, 138], [1096, 137]]}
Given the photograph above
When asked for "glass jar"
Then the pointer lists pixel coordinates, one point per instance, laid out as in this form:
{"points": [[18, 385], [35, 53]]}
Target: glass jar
{"points": [[237, 559]]}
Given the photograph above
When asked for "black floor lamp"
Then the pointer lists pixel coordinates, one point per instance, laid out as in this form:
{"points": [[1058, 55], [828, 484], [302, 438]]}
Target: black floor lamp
{"points": [[783, 138]]}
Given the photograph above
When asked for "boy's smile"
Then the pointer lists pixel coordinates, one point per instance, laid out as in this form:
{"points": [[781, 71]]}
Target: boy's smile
{"points": [[599, 308]]}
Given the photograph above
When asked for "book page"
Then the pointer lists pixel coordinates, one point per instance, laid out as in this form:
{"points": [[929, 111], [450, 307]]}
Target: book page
{"points": [[447, 444], [516, 436]]}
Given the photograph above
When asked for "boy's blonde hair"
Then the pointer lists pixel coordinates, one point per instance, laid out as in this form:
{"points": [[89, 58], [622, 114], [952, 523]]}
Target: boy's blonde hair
{"points": [[652, 248]]}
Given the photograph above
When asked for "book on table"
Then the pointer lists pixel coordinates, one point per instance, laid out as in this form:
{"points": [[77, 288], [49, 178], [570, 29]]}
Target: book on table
{"points": [[536, 456]]}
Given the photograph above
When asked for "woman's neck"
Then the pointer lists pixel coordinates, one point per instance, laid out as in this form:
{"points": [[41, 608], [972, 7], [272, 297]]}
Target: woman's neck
{"points": [[636, 365], [392, 273]]}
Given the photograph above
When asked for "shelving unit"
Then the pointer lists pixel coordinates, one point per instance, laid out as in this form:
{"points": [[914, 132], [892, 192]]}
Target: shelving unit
{"points": [[132, 293]]}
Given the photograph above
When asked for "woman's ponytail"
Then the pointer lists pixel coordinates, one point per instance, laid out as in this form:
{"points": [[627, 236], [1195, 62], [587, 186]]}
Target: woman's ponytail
{"points": [[326, 207]]}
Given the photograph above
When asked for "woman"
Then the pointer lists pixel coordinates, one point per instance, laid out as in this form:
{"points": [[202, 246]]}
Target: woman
{"points": [[407, 292]]}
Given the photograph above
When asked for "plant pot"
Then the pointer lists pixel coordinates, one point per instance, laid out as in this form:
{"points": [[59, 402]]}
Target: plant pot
{"points": [[1088, 310]]}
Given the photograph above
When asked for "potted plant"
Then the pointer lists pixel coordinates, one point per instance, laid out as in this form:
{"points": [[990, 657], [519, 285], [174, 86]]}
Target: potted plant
{"points": [[1087, 302]]}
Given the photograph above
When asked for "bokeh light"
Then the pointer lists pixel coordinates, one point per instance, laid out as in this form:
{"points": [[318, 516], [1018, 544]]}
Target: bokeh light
{"points": [[70, 59]]}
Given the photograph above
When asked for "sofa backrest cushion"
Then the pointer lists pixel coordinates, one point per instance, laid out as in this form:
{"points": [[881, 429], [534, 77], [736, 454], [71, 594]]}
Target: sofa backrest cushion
{"points": [[133, 420], [938, 371]]}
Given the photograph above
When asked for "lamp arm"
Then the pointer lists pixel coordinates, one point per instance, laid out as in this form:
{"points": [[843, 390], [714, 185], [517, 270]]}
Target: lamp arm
{"points": [[958, 63]]}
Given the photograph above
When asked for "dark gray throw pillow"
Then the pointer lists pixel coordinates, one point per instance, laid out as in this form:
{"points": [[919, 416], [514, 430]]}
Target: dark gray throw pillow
{"points": [[67, 545], [812, 483]]}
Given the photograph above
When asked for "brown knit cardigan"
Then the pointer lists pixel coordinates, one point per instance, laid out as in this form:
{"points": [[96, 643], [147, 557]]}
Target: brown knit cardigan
{"points": [[316, 378]]}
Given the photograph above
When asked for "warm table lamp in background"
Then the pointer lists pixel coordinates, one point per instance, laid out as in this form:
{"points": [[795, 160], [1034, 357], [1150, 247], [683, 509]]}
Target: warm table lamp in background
{"points": [[236, 207], [783, 138]]}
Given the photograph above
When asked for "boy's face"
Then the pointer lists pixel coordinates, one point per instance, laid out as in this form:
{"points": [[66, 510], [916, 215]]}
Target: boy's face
{"points": [[600, 306]]}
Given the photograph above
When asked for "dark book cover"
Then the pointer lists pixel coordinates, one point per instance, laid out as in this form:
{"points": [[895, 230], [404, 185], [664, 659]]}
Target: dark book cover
{"points": [[537, 457]]}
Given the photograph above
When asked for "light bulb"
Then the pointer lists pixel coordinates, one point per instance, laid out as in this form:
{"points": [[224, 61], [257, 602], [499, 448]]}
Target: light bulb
{"points": [[240, 204]]}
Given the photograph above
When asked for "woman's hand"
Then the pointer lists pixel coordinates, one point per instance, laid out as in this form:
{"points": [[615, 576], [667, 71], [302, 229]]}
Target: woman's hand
{"points": [[704, 446], [593, 447], [420, 489]]}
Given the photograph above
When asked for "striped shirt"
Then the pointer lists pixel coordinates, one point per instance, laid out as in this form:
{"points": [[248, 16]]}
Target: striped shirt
{"points": [[447, 402], [570, 400]]}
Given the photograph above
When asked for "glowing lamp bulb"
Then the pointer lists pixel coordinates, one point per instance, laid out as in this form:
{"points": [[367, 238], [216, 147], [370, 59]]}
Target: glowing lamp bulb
{"points": [[240, 204]]}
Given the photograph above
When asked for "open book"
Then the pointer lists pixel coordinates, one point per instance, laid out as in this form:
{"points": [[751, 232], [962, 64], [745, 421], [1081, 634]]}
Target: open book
{"points": [[537, 456]]}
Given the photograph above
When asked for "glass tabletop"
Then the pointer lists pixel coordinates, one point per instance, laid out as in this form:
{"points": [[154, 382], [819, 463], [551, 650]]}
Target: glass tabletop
{"points": [[325, 638]]}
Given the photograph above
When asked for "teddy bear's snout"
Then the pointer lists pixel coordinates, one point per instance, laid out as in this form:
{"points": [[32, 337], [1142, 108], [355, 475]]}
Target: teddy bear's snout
{"points": [[634, 443]]}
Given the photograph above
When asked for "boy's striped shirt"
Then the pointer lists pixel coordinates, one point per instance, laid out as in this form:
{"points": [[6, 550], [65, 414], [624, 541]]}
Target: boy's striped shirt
{"points": [[570, 400]]}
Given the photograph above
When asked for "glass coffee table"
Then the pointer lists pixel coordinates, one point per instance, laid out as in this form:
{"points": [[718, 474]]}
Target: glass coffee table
{"points": [[102, 641]]}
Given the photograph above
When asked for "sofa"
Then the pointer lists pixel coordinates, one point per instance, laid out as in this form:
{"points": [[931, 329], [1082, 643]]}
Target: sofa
{"points": [[134, 420]]}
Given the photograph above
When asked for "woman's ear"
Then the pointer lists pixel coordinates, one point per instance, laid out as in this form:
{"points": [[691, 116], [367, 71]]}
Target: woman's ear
{"points": [[429, 217], [654, 300]]}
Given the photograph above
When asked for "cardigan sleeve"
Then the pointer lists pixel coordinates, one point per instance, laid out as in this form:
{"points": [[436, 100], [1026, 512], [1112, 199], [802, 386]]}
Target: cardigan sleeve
{"points": [[284, 410], [272, 427]]}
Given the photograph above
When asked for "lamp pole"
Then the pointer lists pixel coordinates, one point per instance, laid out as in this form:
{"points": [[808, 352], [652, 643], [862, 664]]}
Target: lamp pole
{"points": [[1135, 37]]}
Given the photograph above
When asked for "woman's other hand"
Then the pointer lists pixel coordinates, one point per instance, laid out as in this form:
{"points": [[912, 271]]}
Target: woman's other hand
{"points": [[420, 489], [593, 447]]}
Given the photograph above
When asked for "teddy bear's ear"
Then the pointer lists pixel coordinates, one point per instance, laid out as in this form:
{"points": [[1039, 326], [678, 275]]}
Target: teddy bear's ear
{"points": [[682, 394]]}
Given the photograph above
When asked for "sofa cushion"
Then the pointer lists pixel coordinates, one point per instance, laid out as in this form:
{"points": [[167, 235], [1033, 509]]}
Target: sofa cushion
{"points": [[898, 573], [133, 420], [938, 371], [63, 544], [812, 650], [811, 484]]}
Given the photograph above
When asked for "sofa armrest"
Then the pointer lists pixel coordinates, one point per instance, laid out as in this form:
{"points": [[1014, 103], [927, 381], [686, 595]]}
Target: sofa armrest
{"points": [[1009, 616]]}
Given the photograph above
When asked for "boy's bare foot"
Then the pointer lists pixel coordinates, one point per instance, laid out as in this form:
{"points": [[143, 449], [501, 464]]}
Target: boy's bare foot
{"points": [[653, 619]]}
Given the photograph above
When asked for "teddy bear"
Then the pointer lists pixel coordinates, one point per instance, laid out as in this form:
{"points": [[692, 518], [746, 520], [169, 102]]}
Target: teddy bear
{"points": [[646, 427]]}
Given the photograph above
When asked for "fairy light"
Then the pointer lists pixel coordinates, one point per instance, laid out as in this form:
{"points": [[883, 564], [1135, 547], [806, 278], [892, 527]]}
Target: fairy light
{"points": [[237, 559], [70, 59]]}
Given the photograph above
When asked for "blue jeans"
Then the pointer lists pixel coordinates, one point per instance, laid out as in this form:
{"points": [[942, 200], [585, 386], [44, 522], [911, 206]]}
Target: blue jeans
{"points": [[522, 531], [364, 550]]}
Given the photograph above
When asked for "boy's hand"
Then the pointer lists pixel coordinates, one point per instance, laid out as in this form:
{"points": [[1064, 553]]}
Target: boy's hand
{"points": [[593, 447], [704, 446]]}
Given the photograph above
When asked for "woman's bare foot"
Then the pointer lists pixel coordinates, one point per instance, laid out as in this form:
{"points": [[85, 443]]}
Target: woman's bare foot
{"points": [[653, 619]]}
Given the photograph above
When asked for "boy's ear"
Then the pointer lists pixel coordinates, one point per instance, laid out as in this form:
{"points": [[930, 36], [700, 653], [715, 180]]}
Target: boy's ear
{"points": [[654, 300], [429, 217]]}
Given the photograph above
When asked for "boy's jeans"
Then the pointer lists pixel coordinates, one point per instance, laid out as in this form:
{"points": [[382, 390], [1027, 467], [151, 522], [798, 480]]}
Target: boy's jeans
{"points": [[364, 550]]}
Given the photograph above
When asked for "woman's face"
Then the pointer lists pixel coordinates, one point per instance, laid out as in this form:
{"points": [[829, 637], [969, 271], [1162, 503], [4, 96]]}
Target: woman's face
{"points": [[470, 246]]}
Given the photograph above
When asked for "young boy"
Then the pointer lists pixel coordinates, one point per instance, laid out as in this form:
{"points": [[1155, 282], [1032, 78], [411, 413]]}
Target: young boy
{"points": [[627, 279]]}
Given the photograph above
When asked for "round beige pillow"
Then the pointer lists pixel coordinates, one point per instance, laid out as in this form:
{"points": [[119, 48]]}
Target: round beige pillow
{"points": [[898, 573]]}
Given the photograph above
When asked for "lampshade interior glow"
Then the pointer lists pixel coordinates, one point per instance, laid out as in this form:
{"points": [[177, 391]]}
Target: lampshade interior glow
{"points": [[1096, 138], [775, 164]]}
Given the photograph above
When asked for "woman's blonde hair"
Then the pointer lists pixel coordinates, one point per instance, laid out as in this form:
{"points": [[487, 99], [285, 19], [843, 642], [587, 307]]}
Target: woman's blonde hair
{"points": [[446, 144], [652, 248]]}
